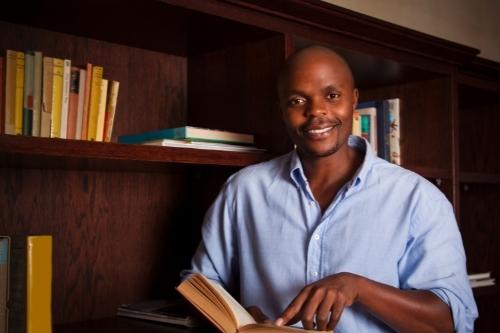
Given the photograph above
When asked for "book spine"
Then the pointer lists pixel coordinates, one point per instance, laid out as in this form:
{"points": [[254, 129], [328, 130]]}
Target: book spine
{"points": [[65, 98], [86, 102], [73, 102], [10, 92], [47, 83], [4, 282], [3, 89], [101, 114], [111, 110], [57, 92], [395, 134], [95, 93], [79, 110], [17, 285], [37, 93], [39, 284], [19, 93], [29, 72], [356, 123]]}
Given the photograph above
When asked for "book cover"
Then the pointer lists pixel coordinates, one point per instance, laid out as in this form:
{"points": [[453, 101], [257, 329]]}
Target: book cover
{"points": [[101, 113], [393, 106], [29, 73], [73, 102], [86, 101], [18, 114], [218, 306], [37, 93], [65, 98], [369, 125], [382, 124], [30, 293], [57, 96], [111, 110], [4, 282], [95, 94], [190, 133], [79, 110], [47, 83], [10, 91], [179, 143]]}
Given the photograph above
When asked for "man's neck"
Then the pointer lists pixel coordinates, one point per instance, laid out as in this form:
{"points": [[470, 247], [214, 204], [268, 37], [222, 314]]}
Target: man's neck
{"points": [[326, 175]]}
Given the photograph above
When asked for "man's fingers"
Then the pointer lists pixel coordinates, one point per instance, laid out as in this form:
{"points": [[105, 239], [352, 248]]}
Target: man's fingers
{"points": [[293, 310], [337, 309], [324, 310], [310, 308]]}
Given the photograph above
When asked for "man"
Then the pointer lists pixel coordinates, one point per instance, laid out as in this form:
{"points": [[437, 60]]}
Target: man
{"points": [[329, 234]]}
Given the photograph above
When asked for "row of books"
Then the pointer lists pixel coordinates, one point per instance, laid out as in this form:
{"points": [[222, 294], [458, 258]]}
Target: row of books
{"points": [[48, 97], [26, 284], [379, 123], [195, 138], [481, 280]]}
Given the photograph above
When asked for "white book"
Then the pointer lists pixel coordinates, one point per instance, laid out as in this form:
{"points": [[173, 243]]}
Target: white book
{"points": [[65, 98], [101, 113], [394, 131], [479, 276], [482, 283], [79, 109], [202, 145]]}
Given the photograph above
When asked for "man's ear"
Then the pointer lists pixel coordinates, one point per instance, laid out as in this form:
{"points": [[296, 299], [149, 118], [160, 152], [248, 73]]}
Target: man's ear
{"points": [[355, 94]]}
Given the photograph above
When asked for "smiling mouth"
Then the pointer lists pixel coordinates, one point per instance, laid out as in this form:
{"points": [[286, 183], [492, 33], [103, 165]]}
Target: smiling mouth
{"points": [[319, 133]]}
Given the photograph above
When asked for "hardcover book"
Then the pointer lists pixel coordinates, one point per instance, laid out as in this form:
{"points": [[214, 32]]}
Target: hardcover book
{"points": [[218, 306], [190, 133]]}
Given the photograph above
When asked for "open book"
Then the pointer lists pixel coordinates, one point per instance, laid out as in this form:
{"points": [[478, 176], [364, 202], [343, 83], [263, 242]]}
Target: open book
{"points": [[229, 316]]}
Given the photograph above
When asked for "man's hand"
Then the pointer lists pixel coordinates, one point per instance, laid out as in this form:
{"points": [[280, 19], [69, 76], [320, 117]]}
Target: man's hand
{"points": [[258, 315], [322, 301]]}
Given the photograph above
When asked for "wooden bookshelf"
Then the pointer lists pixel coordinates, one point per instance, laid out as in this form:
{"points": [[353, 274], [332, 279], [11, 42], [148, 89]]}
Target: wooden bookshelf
{"points": [[126, 218]]}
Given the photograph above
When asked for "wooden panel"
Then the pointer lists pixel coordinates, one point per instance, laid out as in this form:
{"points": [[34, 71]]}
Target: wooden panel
{"points": [[143, 104], [235, 89], [425, 121], [479, 113]]}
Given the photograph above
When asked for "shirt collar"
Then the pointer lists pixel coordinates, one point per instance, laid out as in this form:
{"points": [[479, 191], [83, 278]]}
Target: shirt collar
{"points": [[360, 144]]}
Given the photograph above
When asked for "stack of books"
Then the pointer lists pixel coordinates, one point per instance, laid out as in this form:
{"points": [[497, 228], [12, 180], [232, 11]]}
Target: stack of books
{"points": [[379, 123], [48, 97], [195, 138], [481, 280]]}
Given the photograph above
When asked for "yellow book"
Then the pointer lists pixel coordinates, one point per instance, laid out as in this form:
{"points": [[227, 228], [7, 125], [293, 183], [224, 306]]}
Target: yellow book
{"points": [[19, 101], [95, 94], [30, 294], [218, 306], [101, 114], [46, 111], [57, 95]]}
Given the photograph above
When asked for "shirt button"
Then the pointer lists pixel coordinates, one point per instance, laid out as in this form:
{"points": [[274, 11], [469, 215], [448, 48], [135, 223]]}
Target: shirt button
{"points": [[314, 273], [316, 236]]}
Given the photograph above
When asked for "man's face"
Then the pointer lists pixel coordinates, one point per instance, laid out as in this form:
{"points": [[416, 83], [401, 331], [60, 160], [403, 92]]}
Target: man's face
{"points": [[317, 98]]}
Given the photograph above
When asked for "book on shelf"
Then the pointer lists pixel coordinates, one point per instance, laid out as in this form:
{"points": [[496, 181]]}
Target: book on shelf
{"points": [[73, 102], [30, 284], [481, 280], [175, 312], [37, 92], [57, 97], [379, 122], [47, 84], [222, 310], [114, 88], [82, 75], [202, 145], [29, 77], [18, 114], [190, 133], [95, 96], [4, 282], [14, 92], [65, 98], [86, 101], [101, 113]]}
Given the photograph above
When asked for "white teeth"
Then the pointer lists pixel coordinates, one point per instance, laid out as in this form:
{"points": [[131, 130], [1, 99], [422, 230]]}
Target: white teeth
{"points": [[320, 131]]}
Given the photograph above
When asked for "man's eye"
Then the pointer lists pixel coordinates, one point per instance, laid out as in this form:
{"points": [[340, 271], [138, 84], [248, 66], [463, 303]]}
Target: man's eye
{"points": [[296, 101], [333, 95]]}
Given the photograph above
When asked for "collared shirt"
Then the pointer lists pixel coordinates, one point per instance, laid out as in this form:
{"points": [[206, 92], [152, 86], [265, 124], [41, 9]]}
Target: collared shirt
{"points": [[265, 237]]}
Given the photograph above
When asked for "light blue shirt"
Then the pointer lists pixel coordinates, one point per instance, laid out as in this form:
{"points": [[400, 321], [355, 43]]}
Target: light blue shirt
{"points": [[265, 238]]}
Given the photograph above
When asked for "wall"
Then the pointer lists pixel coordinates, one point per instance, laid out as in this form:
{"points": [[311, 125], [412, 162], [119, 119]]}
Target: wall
{"points": [[472, 23]]}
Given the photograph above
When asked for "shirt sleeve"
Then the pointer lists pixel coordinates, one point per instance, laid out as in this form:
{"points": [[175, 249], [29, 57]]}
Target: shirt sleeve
{"points": [[217, 256], [434, 259]]}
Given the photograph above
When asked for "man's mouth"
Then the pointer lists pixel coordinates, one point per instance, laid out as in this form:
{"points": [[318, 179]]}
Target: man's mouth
{"points": [[318, 131]]}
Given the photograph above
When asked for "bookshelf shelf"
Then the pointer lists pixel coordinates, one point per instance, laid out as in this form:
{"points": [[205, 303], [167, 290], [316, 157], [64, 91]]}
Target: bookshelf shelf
{"points": [[476, 177], [21, 151]]}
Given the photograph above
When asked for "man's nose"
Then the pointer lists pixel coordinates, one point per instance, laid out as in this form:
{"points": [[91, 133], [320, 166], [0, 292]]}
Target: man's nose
{"points": [[317, 108]]}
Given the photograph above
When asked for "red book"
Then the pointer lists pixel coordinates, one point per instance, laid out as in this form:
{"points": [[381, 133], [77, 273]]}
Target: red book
{"points": [[73, 102]]}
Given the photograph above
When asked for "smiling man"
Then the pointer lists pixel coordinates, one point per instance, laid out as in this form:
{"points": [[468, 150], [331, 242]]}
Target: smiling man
{"points": [[329, 235]]}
